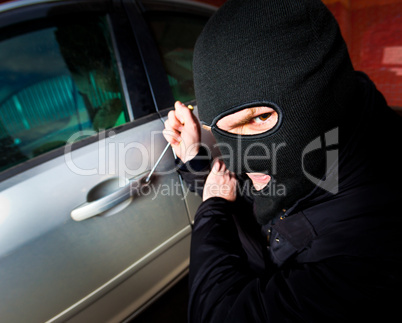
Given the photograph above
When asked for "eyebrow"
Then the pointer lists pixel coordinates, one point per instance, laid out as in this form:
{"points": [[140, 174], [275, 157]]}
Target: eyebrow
{"points": [[247, 115], [244, 119]]}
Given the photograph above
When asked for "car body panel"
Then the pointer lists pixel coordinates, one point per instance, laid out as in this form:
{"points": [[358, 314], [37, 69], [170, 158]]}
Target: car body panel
{"points": [[44, 254], [109, 266]]}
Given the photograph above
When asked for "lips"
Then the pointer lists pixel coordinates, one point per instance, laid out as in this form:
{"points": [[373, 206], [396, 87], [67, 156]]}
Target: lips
{"points": [[259, 177]]}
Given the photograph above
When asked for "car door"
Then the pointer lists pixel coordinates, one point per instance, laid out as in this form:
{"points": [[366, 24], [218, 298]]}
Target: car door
{"points": [[78, 131], [175, 26]]}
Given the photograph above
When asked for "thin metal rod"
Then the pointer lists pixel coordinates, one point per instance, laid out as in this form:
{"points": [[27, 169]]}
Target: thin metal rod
{"points": [[157, 163], [191, 108]]}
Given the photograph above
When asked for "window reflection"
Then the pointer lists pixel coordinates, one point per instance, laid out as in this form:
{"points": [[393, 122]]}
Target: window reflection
{"points": [[54, 82]]}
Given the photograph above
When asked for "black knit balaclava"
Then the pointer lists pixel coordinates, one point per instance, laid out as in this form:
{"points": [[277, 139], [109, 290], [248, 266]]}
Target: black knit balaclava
{"points": [[285, 54]]}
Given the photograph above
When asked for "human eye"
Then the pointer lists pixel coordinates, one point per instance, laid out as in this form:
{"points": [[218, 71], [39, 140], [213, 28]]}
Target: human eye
{"points": [[249, 121], [261, 118]]}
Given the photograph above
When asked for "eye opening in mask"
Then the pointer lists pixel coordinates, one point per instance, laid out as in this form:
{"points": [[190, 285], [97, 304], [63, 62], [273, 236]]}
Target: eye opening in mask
{"points": [[249, 120]]}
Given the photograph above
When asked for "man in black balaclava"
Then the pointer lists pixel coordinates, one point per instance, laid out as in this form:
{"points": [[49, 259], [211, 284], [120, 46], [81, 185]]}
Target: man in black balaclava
{"points": [[316, 237]]}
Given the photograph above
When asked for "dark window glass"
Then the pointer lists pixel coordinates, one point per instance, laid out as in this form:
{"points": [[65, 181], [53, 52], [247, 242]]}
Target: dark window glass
{"points": [[54, 82], [175, 35]]}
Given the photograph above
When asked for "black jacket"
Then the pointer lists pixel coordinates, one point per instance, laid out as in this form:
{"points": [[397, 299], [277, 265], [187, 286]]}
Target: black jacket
{"points": [[332, 258]]}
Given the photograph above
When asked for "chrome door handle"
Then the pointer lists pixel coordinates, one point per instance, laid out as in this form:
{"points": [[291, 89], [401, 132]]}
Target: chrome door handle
{"points": [[106, 195]]}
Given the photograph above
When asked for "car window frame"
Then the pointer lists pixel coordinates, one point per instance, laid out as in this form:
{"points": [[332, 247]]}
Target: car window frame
{"points": [[14, 17], [156, 76], [158, 81], [190, 7], [149, 45]]}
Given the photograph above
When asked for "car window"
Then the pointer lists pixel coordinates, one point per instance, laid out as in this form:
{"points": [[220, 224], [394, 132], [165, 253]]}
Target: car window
{"points": [[175, 35], [56, 80]]}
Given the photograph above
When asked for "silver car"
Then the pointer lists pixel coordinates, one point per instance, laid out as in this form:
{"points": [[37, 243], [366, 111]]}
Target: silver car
{"points": [[84, 88]]}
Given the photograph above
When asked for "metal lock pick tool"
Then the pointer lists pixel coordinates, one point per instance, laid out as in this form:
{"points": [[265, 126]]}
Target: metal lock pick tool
{"points": [[161, 155]]}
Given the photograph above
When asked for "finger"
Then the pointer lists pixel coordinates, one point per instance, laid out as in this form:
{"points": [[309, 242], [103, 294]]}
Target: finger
{"points": [[171, 137], [170, 130], [216, 166], [223, 167], [184, 114], [173, 121], [172, 141]]}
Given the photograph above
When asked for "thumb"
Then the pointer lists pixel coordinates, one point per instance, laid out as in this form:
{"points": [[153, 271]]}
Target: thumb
{"points": [[183, 113]]}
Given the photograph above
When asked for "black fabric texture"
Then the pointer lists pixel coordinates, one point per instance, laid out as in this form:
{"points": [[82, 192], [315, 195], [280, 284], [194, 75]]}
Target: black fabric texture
{"points": [[195, 171], [331, 258], [288, 55], [335, 254]]}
